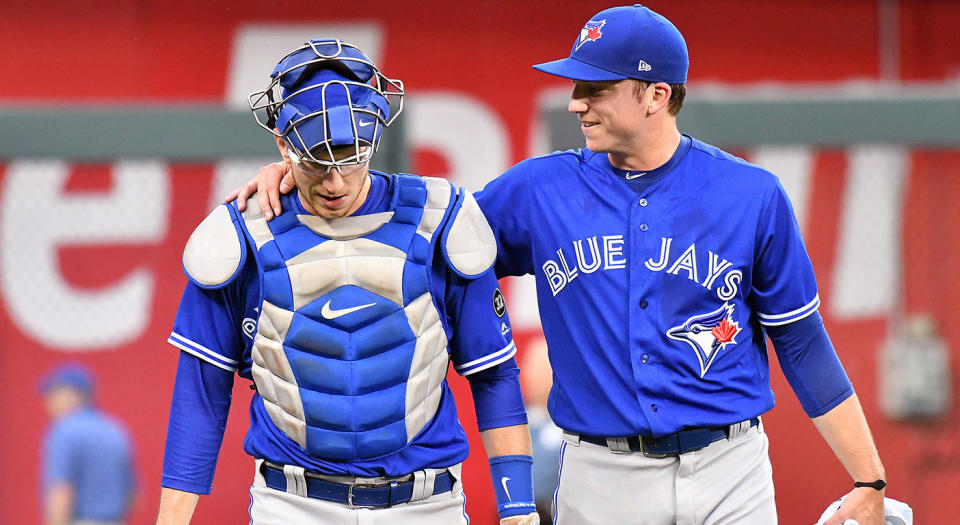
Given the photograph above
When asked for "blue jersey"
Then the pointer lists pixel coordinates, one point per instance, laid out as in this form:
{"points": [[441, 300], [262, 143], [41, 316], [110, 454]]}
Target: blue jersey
{"points": [[92, 453], [219, 326], [653, 296]]}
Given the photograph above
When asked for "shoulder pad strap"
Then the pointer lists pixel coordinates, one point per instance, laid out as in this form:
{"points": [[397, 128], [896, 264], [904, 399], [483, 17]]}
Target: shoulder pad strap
{"points": [[216, 250], [468, 244]]}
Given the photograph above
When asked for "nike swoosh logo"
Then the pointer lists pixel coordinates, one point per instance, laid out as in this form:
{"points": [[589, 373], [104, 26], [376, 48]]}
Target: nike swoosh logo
{"points": [[503, 481], [330, 313], [364, 124], [631, 176]]}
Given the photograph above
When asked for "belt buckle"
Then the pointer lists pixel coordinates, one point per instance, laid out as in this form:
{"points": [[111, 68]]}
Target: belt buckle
{"points": [[656, 455], [353, 486]]}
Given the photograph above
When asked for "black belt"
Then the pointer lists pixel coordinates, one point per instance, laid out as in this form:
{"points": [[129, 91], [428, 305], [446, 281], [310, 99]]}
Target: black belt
{"points": [[686, 440], [356, 494]]}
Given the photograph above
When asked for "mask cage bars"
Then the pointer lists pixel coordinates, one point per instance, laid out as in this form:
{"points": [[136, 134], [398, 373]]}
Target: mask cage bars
{"points": [[267, 104]]}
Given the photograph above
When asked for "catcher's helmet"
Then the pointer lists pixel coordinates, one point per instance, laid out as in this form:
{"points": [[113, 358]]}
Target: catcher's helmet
{"points": [[328, 94]]}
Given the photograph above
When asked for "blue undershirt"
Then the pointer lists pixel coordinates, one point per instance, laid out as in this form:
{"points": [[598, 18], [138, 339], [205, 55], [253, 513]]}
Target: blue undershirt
{"points": [[810, 364], [639, 181]]}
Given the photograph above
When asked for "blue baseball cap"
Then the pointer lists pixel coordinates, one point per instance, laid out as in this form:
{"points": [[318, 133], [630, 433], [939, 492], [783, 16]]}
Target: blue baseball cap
{"points": [[72, 375], [625, 42]]}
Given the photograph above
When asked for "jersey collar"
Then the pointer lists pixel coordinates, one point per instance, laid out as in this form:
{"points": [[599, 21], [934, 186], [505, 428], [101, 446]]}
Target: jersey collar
{"points": [[655, 174]]}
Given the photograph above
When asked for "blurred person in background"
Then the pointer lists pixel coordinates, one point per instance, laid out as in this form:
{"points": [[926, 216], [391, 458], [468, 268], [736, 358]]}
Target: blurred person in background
{"points": [[536, 378], [88, 467]]}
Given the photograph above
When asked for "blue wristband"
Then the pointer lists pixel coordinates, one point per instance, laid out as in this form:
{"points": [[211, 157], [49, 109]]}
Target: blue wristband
{"points": [[513, 485]]}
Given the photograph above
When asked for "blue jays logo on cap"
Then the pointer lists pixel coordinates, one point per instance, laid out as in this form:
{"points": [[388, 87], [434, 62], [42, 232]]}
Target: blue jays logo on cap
{"points": [[708, 334], [591, 32], [626, 42]]}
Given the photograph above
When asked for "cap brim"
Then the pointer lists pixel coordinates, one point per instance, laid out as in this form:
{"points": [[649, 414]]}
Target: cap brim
{"points": [[577, 70]]}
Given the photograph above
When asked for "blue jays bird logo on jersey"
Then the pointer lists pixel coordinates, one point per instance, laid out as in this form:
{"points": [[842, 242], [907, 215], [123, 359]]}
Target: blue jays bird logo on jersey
{"points": [[591, 32], [708, 334]]}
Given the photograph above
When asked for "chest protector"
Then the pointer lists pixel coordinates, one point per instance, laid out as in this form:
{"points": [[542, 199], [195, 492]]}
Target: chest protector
{"points": [[350, 353]]}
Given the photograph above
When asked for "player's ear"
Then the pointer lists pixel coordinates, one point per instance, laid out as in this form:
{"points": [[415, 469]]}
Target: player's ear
{"points": [[659, 97], [282, 146]]}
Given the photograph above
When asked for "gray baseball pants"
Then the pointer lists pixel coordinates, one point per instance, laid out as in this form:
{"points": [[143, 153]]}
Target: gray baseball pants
{"points": [[728, 482]]}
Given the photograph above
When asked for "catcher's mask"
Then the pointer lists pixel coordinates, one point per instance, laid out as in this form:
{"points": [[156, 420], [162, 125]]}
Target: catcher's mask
{"points": [[328, 94]]}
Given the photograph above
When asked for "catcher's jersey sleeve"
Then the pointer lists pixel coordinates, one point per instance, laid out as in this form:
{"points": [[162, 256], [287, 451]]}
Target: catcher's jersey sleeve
{"points": [[784, 286], [210, 324], [482, 349], [476, 311]]}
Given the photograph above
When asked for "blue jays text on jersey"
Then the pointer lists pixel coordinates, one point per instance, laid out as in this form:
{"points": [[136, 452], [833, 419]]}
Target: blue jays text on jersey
{"points": [[558, 272], [347, 333], [653, 307]]}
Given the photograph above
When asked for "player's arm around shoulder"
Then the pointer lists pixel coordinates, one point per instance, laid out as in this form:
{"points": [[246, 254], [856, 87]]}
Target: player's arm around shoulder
{"points": [[507, 202], [270, 182]]}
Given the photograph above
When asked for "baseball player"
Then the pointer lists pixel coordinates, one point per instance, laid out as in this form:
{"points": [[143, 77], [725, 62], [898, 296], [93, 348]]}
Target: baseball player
{"points": [[345, 312], [88, 469], [656, 309]]}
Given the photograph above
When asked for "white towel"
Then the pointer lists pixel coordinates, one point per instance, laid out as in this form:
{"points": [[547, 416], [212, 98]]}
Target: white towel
{"points": [[896, 512]]}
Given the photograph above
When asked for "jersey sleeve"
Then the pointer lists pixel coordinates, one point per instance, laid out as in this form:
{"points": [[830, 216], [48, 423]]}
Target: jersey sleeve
{"points": [[58, 457], [209, 324], [482, 350], [784, 285], [482, 336], [502, 202]]}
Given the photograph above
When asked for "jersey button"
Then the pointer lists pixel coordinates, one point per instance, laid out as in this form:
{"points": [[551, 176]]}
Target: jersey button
{"points": [[643, 305], [644, 227], [643, 202], [653, 408], [644, 358]]}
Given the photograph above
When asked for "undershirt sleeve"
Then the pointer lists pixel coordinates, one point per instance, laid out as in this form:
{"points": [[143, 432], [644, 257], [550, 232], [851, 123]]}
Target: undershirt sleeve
{"points": [[811, 364], [497, 397], [198, 417]]}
